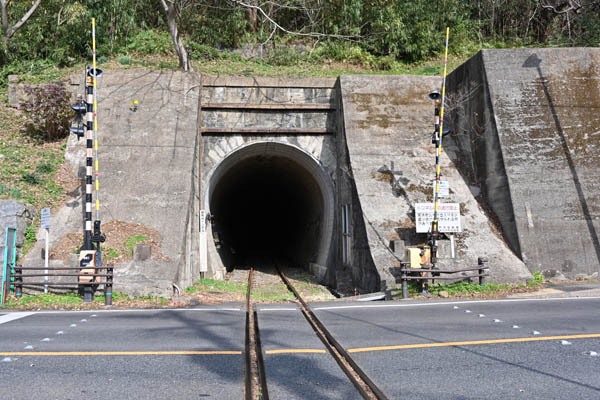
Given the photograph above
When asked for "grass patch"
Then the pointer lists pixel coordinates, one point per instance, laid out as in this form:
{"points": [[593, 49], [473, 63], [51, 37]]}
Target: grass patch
{"points": [[132, 241], [272, 293], [110, 254], [27, 167], [211, 285], [468, 289], [30, 237], [32, 301], [73, 301]]}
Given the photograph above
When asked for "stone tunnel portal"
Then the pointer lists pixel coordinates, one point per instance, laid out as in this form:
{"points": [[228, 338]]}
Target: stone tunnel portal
{"points": [[271, 201]]}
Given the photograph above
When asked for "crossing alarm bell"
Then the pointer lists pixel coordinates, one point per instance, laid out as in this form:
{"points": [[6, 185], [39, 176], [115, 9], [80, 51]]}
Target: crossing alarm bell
{"points": [[435, 95]]}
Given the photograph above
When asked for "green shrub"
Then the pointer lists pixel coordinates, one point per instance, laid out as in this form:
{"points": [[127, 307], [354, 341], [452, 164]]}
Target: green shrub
{"points": [[125, 60], [32, 179], [201, 51], [284, 56], [151, 42], [49, 110]]}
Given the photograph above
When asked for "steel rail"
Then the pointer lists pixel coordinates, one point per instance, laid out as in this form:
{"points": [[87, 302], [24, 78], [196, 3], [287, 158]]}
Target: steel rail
{"points": [[341, 356]]}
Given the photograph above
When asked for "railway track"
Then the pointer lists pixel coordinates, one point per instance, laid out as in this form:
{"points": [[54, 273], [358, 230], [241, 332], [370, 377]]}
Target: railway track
{"points": [[256, 378]]}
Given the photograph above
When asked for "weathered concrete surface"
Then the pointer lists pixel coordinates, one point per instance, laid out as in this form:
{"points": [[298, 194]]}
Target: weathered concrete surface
{"points": [[389, 119], [527, 128], [309, 155], [147, 157], [14, 214]]}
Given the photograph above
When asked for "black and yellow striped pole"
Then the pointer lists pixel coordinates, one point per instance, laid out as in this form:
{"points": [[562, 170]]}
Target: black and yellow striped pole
{"points": [[438, 152], [90, 253]]}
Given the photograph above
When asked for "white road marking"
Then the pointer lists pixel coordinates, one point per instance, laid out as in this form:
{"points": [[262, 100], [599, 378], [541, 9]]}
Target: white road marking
{"points": [[277, 309], [14, 316], [454, 302], [144, 310]]}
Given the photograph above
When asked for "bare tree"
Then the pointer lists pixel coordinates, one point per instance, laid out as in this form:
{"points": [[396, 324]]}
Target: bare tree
{"points": [[252, 6], [9, 31], [173, 10]]}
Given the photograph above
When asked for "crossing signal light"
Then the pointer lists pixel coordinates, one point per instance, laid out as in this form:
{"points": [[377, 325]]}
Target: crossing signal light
{"points": [[77, 124]]}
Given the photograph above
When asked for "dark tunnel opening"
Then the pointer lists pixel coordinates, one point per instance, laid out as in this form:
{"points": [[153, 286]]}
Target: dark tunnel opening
{"points": [[266, 209]]}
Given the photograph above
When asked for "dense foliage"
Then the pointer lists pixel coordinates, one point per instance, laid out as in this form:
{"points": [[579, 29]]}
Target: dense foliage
{"points": [[406, 30]]}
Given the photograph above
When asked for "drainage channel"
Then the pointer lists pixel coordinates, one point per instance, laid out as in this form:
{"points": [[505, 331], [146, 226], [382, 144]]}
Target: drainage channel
{"points": [[256, 380]]}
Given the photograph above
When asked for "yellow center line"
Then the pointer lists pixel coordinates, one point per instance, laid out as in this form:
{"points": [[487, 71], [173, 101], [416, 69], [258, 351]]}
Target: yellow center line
{"points": [[121, 353], [472, 342], [295, 351]]}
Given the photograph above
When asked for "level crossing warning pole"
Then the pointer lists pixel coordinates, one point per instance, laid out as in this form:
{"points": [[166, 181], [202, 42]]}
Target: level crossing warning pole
{"points": [[90, 256], [438, 135]]}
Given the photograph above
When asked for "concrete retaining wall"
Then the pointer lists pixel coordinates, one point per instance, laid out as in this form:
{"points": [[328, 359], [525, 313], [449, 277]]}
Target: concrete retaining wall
{"points": [[387, 164], [527, 128]]}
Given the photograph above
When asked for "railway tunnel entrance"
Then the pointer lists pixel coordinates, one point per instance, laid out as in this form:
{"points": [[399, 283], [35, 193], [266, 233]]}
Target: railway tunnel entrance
{"points": [[271, 202]]}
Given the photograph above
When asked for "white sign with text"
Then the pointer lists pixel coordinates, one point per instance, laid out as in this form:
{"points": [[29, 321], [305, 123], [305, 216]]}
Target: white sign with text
{"points": [[448, 217]]}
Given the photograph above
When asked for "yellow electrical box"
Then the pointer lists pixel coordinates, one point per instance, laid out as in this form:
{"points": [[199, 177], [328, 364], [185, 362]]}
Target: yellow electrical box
{"points": [[413, 254], [418, 256]]}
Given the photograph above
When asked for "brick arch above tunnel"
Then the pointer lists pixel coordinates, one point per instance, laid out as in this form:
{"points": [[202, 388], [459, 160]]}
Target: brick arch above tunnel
{"points": [[297, 156]]}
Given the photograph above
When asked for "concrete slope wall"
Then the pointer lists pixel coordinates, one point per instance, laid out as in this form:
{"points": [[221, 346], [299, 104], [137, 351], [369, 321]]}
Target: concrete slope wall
{"points": [[387, 164], [148, 161], [528, 122]]}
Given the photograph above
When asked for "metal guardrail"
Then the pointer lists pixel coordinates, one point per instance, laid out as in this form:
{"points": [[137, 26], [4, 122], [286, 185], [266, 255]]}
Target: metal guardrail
{"points": [[429, 274], [16, 278]]}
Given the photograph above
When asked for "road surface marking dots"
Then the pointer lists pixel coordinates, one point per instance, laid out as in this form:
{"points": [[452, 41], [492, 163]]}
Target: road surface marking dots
{"points": [[14, 316], [295, 351], [122, 353], [472, 342]]}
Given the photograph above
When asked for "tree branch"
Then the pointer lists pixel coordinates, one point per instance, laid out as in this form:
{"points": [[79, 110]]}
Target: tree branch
{"points": [[281, 28], [11, 31]]}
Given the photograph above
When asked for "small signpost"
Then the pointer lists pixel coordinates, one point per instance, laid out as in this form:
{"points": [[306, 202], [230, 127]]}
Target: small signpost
{"points": [[45, 224], [444, 189], [203, 248], [448, 217]]}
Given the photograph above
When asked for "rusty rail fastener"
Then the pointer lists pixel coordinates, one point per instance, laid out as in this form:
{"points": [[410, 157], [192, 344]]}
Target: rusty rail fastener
{"points": [[481, 262]]}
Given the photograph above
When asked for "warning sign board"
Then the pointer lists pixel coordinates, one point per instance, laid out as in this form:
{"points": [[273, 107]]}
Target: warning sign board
{"points": [[448, 217]]}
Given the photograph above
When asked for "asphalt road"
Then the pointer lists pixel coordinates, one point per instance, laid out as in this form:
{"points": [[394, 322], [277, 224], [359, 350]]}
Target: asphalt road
{"points": [[531, 349], [142, 354]]}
